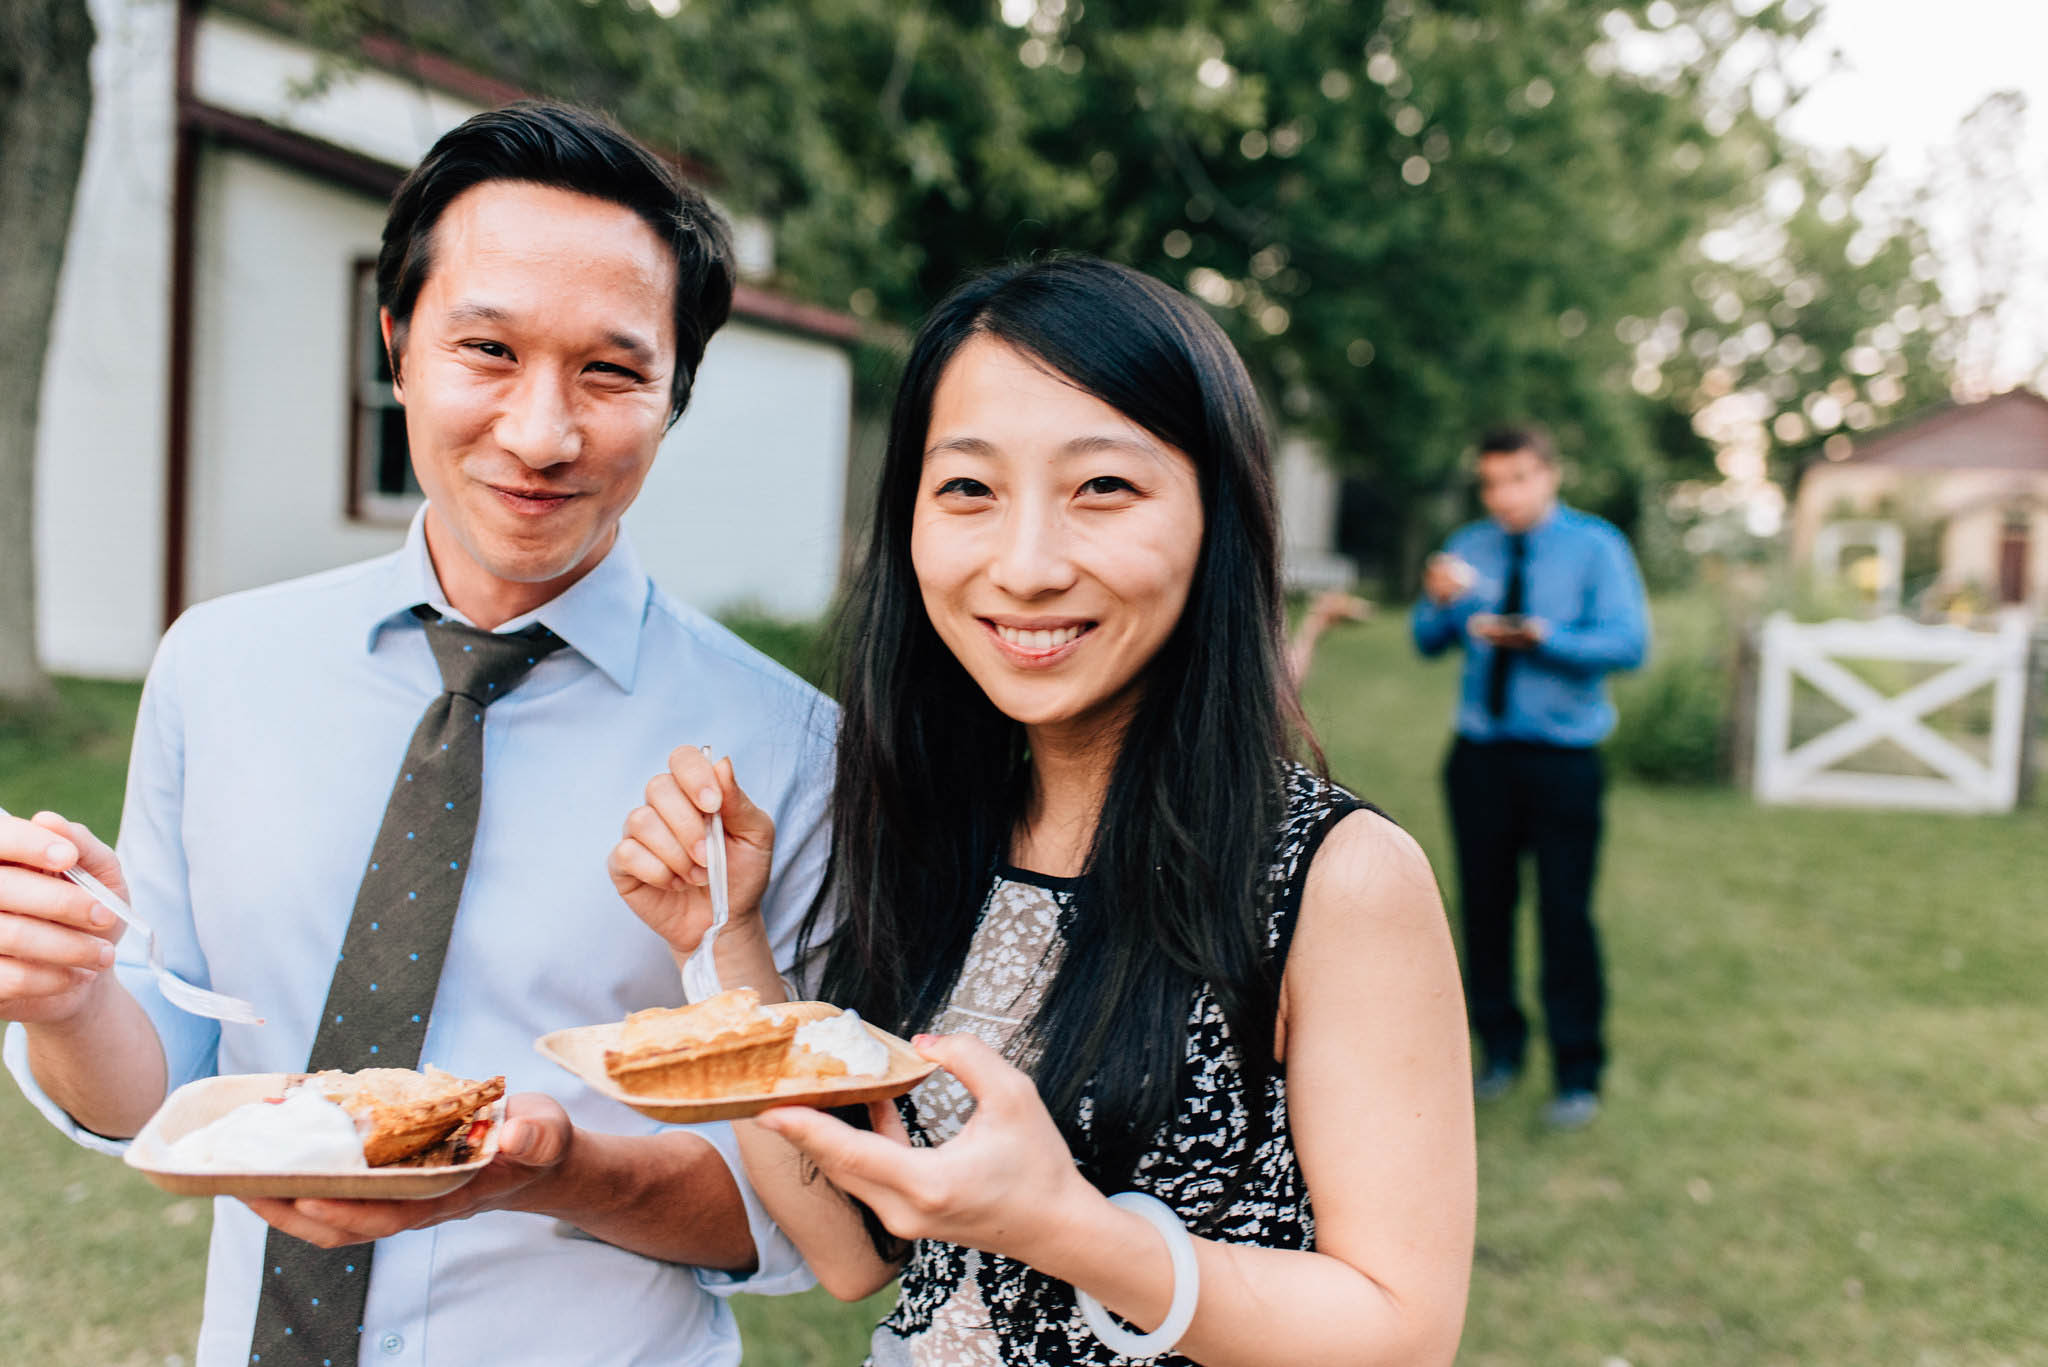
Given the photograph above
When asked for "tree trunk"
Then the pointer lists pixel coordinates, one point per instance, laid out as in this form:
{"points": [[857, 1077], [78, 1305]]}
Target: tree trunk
{"points": [[45, 105]]}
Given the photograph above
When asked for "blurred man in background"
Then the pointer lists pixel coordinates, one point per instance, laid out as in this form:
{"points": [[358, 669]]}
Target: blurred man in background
{"points": [[1546, 602]]}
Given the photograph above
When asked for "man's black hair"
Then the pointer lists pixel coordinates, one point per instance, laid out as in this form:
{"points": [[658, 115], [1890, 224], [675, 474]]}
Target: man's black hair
{"points": [[1508, 437], [558, 145]]}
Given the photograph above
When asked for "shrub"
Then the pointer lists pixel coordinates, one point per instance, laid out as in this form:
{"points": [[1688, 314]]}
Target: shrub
{"points": [[797, 646], [1672, 719]]}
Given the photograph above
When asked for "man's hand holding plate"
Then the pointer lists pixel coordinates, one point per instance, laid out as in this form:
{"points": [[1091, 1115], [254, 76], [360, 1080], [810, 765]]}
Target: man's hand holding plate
{"points": [[536, 1139]]}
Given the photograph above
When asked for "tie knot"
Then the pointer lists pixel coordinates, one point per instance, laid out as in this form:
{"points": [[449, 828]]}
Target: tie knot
{"points": [[484, 666]]}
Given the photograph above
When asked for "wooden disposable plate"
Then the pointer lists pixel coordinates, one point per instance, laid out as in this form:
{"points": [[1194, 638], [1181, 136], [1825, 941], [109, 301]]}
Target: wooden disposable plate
{"points": [[196, 1103], [581, 1051]]}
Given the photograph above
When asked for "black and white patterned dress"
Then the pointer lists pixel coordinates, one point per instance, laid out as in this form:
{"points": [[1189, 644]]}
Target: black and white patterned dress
{"points": [[962, 1308]]}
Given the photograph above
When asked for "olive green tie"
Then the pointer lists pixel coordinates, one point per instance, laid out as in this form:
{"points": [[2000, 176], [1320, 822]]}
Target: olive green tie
{"points": [[310, 1311]]}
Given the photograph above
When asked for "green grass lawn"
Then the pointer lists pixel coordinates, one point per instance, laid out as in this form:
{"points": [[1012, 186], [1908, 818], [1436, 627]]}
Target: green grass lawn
{"points": [[1824, 1140]]}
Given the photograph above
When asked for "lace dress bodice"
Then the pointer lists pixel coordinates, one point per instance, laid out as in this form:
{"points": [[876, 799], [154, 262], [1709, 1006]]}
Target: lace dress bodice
{"points": [[962, 1308]]}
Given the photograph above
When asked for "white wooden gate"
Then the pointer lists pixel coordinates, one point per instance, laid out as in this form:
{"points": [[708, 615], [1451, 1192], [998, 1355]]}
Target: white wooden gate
{"points": [[1975, 660]]}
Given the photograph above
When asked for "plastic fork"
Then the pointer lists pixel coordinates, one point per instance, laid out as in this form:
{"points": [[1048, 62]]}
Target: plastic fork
{"points": [[197, 1001], [700, 970]]}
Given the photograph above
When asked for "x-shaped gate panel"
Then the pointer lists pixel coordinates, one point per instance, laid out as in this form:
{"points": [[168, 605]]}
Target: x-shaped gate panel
{"points": [[1975, 660]]}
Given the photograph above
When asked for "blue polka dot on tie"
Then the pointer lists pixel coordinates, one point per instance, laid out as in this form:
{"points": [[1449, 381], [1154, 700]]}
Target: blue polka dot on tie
{"points": [[410, 834], [478, 717], [467, 649], [337, 1020], [444, 745], [415, 1020], [448, 806], [412, 897], [408, 778], [454, 864], [415, 958], [373, 925], [373, 868], [373, 987], [278, 1270], [373, 1049], [287, 1328], [350, 1268], [316, 1300]]}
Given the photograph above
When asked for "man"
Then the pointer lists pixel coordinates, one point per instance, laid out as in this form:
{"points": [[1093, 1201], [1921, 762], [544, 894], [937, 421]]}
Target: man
{"points": [[1546, 602], [547, 290]]}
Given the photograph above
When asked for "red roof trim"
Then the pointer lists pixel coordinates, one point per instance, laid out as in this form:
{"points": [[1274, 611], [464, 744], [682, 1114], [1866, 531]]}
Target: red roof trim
{"points": [[315, 156], [1872, 450], [779, 310]]}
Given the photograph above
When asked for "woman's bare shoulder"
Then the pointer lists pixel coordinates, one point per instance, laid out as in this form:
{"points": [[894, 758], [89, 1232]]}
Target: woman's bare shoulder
{"points": [[1372, 931], [1370, 868]]}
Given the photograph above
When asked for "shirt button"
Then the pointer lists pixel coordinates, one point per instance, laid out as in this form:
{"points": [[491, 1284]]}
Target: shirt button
{"points": [[391, 1345]]}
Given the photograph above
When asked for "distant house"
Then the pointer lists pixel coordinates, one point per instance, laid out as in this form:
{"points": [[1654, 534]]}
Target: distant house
{"points": [[214, 410], [1977, 472]]}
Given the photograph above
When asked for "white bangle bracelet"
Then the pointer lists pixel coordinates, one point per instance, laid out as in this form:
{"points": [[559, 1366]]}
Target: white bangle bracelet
{"points": [[1187, 1285]]}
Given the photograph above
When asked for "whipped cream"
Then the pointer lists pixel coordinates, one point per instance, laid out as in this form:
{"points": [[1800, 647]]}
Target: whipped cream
{"points": [[843, 1037], [305, 1132]]}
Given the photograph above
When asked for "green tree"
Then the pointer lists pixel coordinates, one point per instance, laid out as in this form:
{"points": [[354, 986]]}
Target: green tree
{"points": [[45, 105], [1412, 215]]}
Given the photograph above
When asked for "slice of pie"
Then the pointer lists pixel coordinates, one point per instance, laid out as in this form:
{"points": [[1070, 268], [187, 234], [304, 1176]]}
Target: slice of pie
{"points": [[401, 1113], [722, 1046]]}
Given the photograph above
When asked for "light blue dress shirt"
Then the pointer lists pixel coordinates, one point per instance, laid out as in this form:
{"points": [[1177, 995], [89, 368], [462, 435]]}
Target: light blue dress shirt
{"points": [[270, 733], [1580, 577]]}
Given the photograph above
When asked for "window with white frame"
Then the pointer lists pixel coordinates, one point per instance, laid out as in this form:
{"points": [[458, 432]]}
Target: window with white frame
{"points": [[381, 484]]}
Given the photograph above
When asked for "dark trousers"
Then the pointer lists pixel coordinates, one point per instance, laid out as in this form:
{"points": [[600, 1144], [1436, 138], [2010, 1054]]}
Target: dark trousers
{"points": [[1508, 798]]}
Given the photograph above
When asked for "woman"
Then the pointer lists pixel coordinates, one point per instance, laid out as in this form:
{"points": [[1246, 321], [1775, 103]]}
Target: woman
{"points": [[1153, 953]]}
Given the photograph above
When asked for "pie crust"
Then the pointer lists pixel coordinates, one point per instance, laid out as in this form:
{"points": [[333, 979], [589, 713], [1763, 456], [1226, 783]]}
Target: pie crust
{"points": [[722, 1046], [399, 1112]]}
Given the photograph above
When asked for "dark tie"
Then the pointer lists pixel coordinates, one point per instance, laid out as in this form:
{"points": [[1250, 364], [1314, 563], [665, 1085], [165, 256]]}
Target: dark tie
{"points": [[1510, 606], [310, 1310]]}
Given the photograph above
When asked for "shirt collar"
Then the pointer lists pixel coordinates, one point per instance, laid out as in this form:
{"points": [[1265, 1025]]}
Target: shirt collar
{"points": [[1536, 528], [599, 615]]}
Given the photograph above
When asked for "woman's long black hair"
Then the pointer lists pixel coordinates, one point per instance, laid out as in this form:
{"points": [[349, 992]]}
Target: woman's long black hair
{"points": [[932, 778]]}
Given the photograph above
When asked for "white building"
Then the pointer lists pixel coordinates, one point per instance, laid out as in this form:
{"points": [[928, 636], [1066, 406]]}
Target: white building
{"points": [[212, 413], [1976, 472]]}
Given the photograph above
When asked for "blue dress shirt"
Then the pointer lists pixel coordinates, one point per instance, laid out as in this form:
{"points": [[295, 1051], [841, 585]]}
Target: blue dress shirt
{"points": [[269, 736], [1581, 579]]}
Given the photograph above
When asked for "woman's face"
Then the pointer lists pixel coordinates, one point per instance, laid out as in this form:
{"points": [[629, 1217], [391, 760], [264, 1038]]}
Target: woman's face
{"points": [[1054, 539]]}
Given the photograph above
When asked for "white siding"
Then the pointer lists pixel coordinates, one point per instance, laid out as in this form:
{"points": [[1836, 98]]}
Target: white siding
{"points": [[1307, 489], [744, 505], [270, 338], [267, 76]]}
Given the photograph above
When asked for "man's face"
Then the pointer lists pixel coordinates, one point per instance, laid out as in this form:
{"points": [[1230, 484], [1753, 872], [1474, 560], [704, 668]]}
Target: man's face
{"points": [[1517, 487], [535, 377]]}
